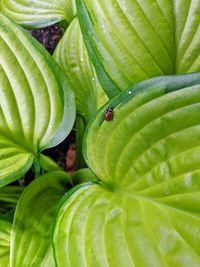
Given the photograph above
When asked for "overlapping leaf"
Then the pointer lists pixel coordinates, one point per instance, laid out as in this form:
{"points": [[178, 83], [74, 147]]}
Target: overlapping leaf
{"points": [[39, 13], [73, 58], [145, 210], [129, 41], [30, 238], [11, 194], [5, 230], [37, 108]]}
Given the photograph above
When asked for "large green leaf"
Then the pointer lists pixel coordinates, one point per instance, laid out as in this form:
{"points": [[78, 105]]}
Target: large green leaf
{"points": [[145, 210], [154, 129], [129, 41], [100, 228], [39, 13], [5, 230], [73, 58], [37, 107], [30, 237]]}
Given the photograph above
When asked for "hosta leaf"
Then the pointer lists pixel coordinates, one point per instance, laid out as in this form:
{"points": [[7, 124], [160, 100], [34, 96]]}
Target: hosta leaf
{"points": [[39, 13], [11, 194], [30, 237], [5, 229], [129, 41], [73, 58], [100, 228], [187, 21], [153, 137], [36, 106]]}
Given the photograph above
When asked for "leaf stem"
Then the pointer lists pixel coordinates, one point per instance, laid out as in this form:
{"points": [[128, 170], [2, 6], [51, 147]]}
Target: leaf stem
{"points": [[37, 166]]}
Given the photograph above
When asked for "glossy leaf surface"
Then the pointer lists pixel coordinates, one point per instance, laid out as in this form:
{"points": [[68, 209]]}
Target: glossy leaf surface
{"points": [[37, 107], [145, 210], [5, 230], [130, 41], [72, 57], [39, 13], [30, 238]]}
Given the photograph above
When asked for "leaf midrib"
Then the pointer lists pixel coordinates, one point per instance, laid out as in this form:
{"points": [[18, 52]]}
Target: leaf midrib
{"points": [[17, 143]]}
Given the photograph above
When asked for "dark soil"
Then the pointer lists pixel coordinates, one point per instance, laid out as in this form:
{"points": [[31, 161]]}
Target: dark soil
{"points": [[48, 37]]}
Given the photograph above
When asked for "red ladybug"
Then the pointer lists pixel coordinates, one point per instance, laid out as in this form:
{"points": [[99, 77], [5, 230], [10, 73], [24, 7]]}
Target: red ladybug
{"points": [[108, 114]]}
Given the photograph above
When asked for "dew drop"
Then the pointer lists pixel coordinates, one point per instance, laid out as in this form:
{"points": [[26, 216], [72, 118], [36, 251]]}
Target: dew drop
{"points": [[104, 28], [188, 182], [167, 191]]}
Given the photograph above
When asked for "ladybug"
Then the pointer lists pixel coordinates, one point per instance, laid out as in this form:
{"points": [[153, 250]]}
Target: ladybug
{"points": [[108, 114]]}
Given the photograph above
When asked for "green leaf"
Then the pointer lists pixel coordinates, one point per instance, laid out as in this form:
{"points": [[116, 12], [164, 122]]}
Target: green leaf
{"points": [[5, 230], [140, 39], [30, 237], [155, 128], [145, 210], [39, 13], [11, 194], [82, 176], [97, 227], [73, 58], [48, 164], [37, 108]]}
